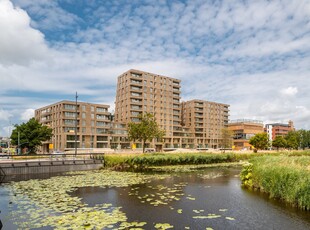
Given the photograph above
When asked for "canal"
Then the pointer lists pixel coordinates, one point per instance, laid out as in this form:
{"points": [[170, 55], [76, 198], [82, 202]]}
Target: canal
{"points": [[209, 198]]}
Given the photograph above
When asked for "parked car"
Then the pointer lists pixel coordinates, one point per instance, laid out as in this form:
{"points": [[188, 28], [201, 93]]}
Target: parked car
{"points": [[57, 154], [150, 150]]}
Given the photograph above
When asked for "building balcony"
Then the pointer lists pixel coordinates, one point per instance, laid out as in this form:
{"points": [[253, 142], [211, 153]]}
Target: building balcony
{"points": [[139, 95], [198, 130], [135, 89], [199, 105], [135, 101], [135, 75], [136, 108], [135, 82], [199, 114]]}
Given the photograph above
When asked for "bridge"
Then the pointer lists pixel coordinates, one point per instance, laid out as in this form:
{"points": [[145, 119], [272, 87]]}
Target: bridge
{"points": [[21, 165]]}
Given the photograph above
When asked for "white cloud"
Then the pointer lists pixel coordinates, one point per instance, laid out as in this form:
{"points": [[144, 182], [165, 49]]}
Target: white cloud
{"points": [[27, 114], [5, 115], [290, 91], [19, 43], [6, 131], [253, 56]]}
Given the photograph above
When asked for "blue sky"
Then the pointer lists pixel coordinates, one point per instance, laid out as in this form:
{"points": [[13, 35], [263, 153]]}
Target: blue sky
{"points": [[253, 55]]}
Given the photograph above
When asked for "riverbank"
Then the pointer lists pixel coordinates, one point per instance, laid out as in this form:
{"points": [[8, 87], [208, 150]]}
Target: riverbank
{"points": [[125, 161], [285, 177]]}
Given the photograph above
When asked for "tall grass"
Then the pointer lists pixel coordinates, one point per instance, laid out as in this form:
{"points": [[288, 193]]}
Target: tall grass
{"points": [[162, 159], [285, 177]]}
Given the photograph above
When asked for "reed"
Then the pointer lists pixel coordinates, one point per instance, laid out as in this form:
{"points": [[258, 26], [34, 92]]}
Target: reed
{"points": [[285, 177], [162, 159]]}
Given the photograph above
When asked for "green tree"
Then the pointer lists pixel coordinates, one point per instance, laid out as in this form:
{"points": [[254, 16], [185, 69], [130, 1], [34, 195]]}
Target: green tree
{"points": [[227, 136], [145, 130], [279, 142], [260, 141], [304, 136], [292, 140], [31, 135]]}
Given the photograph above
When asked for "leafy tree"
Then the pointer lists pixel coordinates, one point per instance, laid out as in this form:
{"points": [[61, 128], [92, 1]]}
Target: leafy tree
{"points": [[145, 130], [279, 142], [31, 134], [304, 136], [292, 140], [227, 138], [260, 141]]}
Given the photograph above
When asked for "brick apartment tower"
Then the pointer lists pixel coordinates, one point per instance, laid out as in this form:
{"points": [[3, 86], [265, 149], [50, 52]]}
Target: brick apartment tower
{"points": [[205, 121], [139, 92]]}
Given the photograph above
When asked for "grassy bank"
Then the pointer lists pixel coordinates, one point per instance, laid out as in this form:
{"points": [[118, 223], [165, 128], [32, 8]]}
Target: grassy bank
{"points": [[164, 159], [285, 177]]}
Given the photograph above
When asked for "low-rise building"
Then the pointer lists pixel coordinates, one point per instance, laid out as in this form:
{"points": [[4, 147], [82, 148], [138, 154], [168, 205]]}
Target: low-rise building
{"points": [[278, 129], [243, 130]]}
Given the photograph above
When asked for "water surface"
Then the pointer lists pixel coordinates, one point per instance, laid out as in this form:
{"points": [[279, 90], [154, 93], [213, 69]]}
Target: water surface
{"points": [[208, 198]]}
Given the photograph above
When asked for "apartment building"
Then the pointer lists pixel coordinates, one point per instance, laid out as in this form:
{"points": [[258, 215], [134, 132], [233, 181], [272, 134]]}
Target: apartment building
{"points": [[93, 125], [243, 130], [278, 129], [139, 92], [205, 121], [191, 124]]}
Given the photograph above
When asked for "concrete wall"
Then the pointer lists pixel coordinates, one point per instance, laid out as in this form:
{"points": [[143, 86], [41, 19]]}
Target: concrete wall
{"points": [[24, 168]]}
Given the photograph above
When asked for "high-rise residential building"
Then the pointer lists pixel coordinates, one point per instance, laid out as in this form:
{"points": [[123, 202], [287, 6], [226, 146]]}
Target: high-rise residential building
{"points": [[192, 124], [278, 129], [93, 125], [205, 120], [243, 130], [139, 92]]}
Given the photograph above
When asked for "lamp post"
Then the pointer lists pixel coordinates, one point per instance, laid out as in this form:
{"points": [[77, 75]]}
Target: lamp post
{"points": [[75, 139], [18, 149]]}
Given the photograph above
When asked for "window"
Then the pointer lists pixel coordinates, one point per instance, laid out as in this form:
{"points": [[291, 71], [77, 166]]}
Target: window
{"points": [[101, 123], [69, 122], [101, 109], [69, 107], [102, 138], [83, 115], [69, 114], [102, 117]]}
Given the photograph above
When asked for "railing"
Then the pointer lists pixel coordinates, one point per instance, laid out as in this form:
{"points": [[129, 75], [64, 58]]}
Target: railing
{"points": [[8, 158]]}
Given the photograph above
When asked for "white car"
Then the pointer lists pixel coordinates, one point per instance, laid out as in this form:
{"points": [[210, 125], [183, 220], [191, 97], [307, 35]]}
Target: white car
{"points": [[57, 154]]}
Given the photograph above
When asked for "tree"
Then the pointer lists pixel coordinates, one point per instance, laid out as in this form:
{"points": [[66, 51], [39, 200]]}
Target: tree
{"points": [[304, 136], [226, 138], [145, 130], [292, 140], [31, 135], [260, 141], [279, 142]]}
